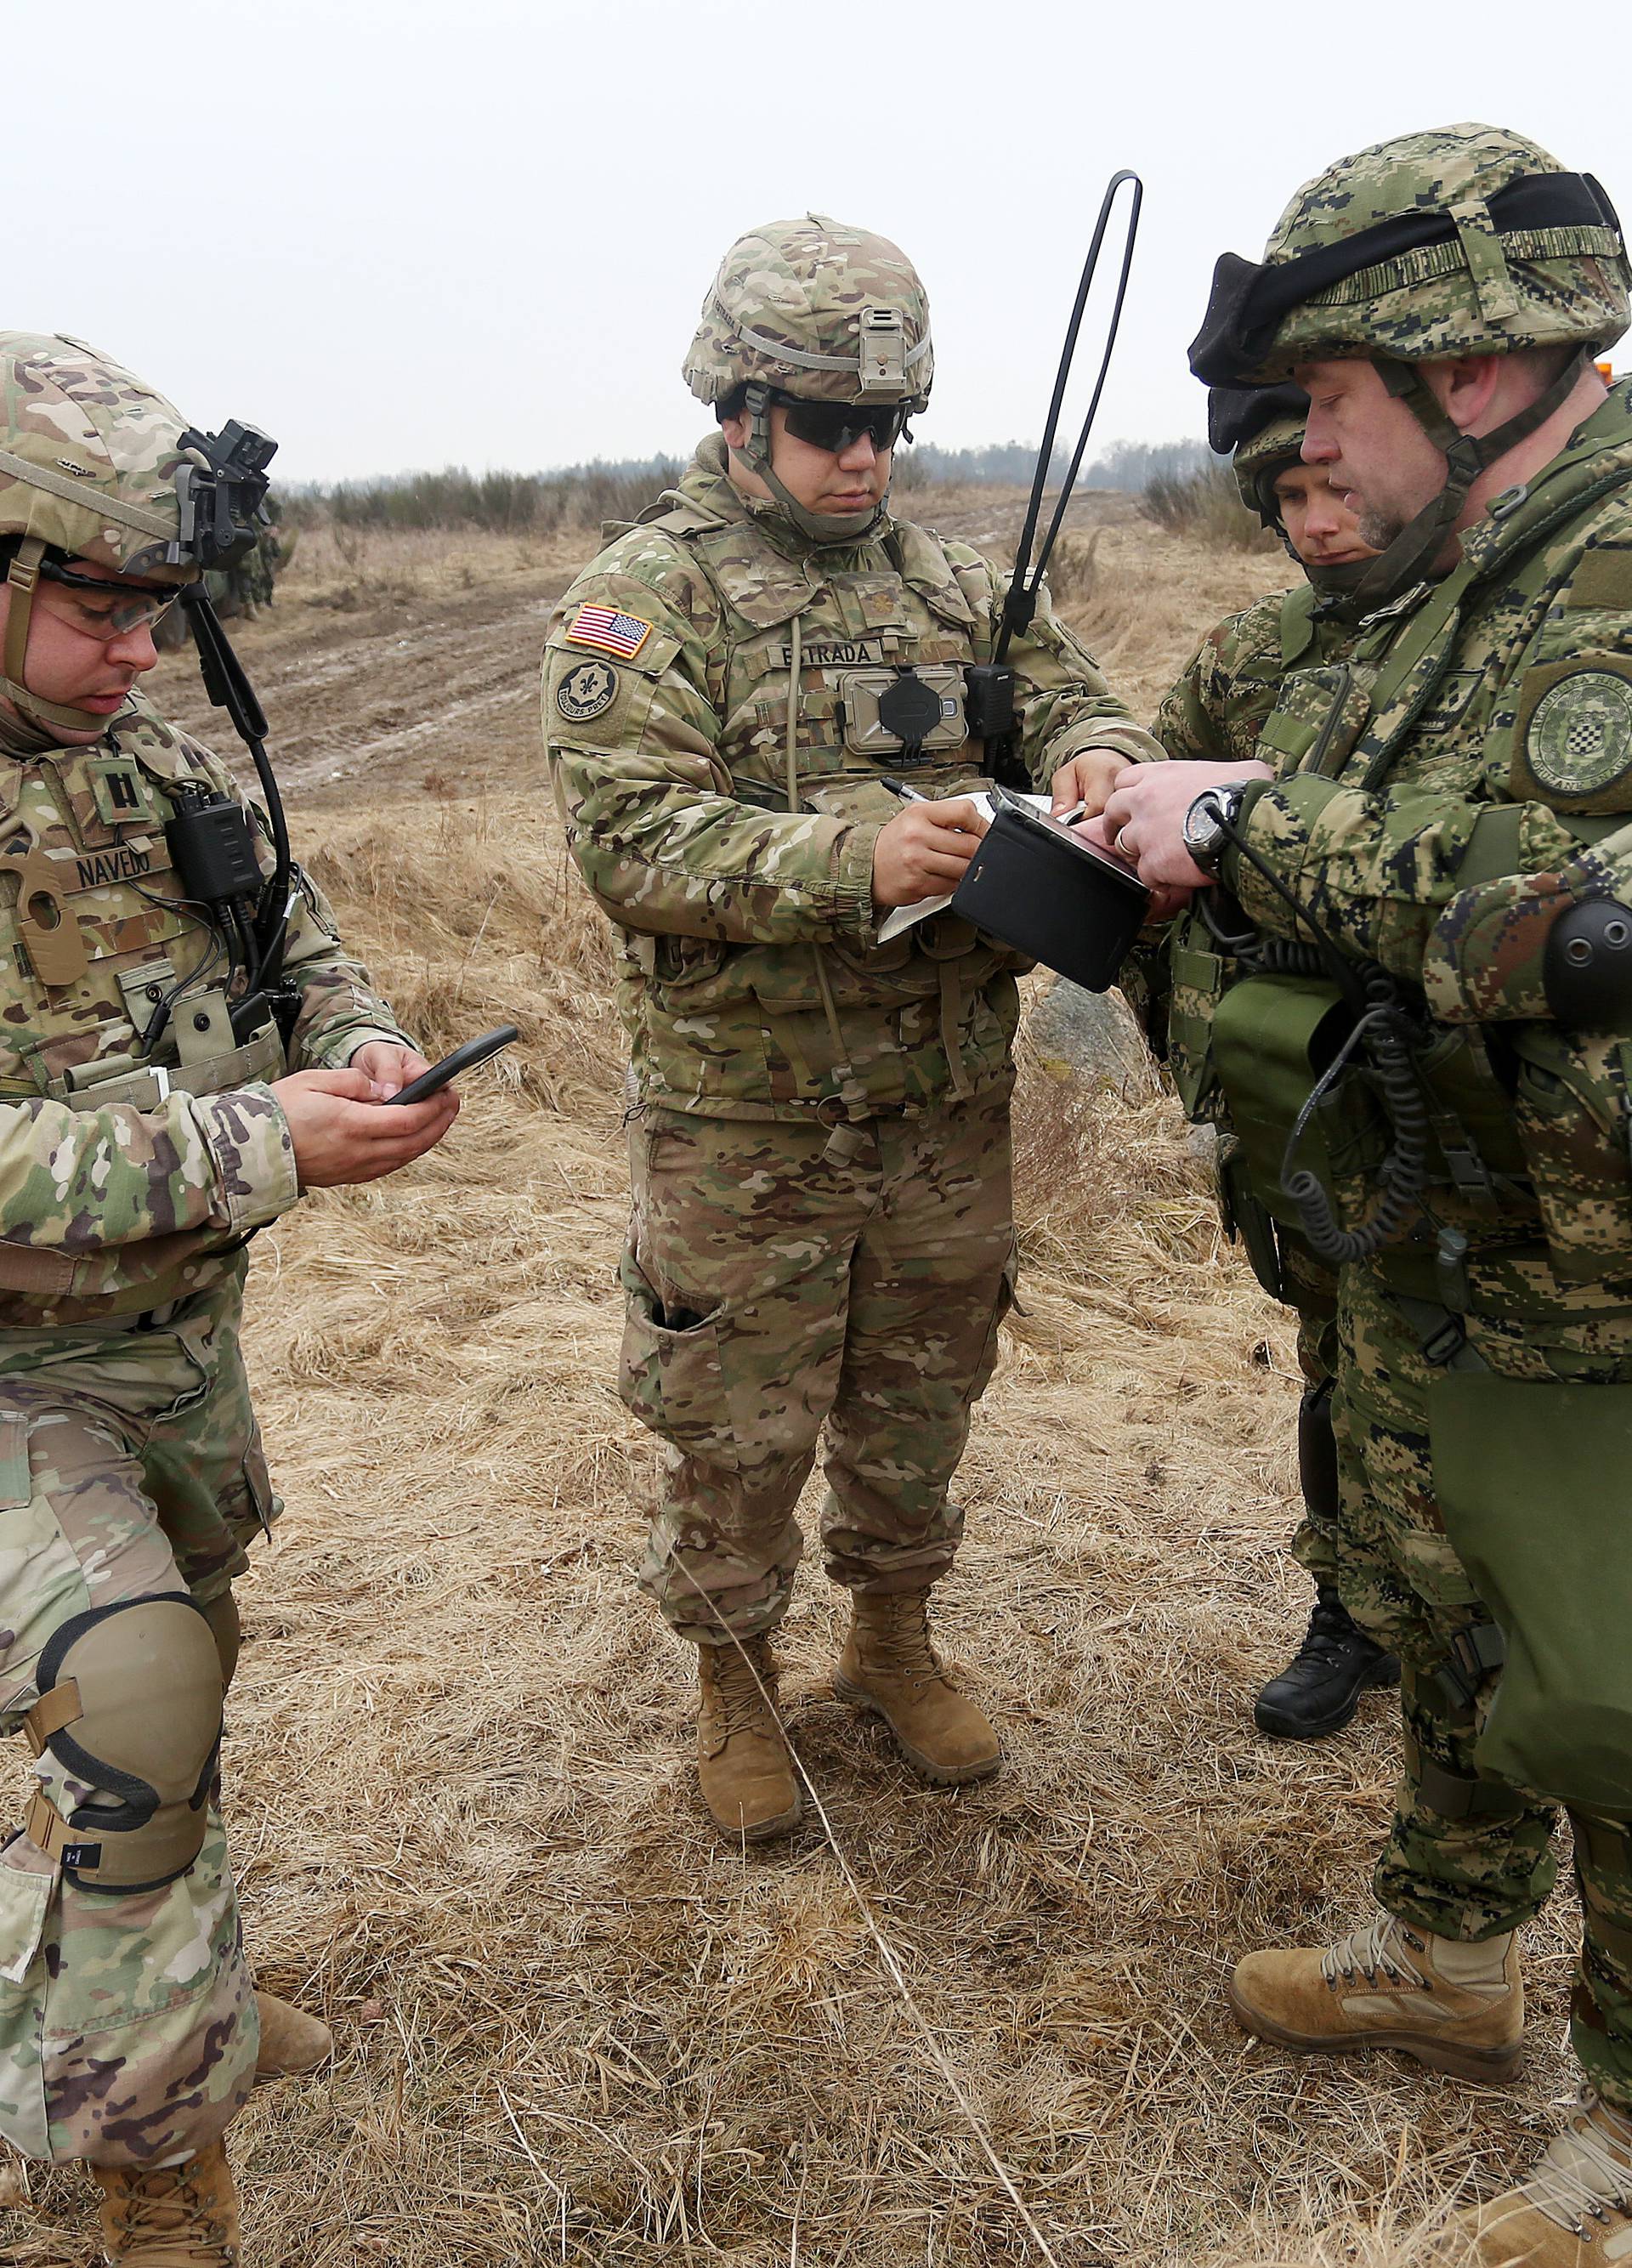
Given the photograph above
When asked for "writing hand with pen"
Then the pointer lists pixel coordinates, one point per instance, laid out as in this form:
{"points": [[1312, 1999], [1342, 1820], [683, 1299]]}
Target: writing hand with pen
{"points": [[922, 851]]}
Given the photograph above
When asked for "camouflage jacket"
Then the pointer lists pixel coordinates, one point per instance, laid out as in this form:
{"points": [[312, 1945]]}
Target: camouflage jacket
{"points": [[1216, 713], [1217, 709], [128, 1178], [754, 982], [1465, 774]]}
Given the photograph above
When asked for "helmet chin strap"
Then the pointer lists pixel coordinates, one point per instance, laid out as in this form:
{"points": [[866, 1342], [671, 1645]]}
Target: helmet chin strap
{"points": [[820, 526], [22, 581], [1410, 557], [1336, 586]]}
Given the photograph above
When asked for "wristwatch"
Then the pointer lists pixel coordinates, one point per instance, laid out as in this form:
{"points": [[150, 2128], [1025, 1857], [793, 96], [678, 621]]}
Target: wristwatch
{"points": [[1208, 821]]}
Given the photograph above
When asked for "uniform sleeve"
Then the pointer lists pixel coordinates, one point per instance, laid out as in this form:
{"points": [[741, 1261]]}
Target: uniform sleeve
{"points": [[1377, 871], [1065, 704], [340, 1010], [663, 844], [1186, 722], [73, 1182], [1217, 709]]}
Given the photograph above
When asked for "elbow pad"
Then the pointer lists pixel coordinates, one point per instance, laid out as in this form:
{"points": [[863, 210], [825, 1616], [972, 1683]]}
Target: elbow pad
{"points": [[1587, 970]]}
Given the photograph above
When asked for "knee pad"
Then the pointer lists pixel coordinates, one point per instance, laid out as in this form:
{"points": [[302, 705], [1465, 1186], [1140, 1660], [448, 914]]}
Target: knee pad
{"points": [[130, 1704]]}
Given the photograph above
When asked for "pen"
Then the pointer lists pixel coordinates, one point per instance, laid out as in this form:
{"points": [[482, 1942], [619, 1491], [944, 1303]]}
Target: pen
{"points": [[900, 787]]}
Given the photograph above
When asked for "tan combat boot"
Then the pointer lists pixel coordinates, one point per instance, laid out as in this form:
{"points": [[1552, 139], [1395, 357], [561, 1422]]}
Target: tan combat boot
{"points": [[1457, 2007], [1574, 2209], [743, 1764], [890, 1667], [292, 2042], [182, 2216]]}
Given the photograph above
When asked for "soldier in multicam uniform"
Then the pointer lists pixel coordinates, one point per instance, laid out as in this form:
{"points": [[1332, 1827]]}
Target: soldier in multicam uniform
{"points": [[822, 1227], [1216, 713], [142, 1142], [1457, 828]]}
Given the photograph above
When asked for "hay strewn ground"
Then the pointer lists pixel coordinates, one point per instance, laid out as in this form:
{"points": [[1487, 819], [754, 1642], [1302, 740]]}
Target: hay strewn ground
{"points": [[572, 2026]]}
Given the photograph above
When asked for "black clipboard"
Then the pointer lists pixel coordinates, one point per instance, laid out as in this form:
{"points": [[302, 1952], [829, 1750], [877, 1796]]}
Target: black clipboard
{"points": [[1037, 886]]}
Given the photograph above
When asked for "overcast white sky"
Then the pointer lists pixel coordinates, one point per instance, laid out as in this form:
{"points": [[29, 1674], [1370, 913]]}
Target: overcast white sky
{"points": [[479, 231]]}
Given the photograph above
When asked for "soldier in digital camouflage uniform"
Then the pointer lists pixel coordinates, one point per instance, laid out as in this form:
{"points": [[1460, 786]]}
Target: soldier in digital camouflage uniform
{"points": [[1458, 825], [1216, 713], [142, 1142], [822, 1227]]}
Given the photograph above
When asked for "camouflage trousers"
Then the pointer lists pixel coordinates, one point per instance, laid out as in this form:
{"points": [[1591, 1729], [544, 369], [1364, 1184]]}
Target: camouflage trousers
{"points": [[130, 1465], [776, 1282], [1312, 1288], [1470, 1877]]}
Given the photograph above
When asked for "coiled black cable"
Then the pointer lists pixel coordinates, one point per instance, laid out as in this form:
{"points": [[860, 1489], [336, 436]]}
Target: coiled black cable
{"points": [[1383, 1028], [1386, 1032]]}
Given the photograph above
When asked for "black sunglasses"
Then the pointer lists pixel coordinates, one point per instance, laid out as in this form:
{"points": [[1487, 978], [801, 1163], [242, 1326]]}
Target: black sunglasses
{"points": [[836, 426]]}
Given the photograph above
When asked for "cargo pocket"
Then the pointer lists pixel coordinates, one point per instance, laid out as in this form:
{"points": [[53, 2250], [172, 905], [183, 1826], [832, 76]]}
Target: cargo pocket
{"points": [[16, 1487], [671, 1377], [25, 1902], [1003, 1307]]}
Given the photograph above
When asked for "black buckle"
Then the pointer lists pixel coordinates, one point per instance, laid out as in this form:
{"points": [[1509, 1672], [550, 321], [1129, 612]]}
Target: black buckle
{"points": [[1446, 1344]]}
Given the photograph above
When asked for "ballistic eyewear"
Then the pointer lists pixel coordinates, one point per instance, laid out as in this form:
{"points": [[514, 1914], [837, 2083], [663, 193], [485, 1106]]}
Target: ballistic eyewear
{"points": [[836, 426], [108, 610]]}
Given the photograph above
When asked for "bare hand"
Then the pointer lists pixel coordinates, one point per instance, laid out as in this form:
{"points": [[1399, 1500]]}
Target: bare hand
{"points": [[1145, 816], [1086, 779], [923, 850], [390, 1066], [342, 1132]]}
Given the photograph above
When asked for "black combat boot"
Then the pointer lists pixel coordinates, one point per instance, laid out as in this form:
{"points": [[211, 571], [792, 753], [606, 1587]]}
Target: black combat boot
{"points": [[1319, 1689]]}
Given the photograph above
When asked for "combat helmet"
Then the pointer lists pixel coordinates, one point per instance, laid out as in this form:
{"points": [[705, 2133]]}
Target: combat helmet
{"points": [[1468, 240], [96, 467], [1260, 430], [816, 310]]}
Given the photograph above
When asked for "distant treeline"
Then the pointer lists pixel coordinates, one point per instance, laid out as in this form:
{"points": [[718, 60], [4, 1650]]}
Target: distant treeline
{"points": [[536, 503], [1126, 465], [506, 503]]}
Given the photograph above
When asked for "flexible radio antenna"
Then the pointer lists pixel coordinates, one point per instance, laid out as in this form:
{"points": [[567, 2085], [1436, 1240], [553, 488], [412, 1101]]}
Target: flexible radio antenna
{"points": [[1020, 604]]}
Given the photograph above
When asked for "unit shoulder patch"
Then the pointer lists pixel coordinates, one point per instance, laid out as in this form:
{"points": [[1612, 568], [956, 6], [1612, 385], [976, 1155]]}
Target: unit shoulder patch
{"points": [[610, 630], [1573, 737], [588, 690]]}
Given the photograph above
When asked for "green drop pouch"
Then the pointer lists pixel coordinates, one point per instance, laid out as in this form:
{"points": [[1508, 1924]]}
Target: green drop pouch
{"points": [[1273, 1039], [1534, 1483]]}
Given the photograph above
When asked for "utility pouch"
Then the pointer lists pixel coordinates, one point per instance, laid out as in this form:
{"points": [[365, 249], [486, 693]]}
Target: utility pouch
{"points": [[1273, 1039], [1574, 1126], [1197, 976], [1316, 723], [1535, 1483], [1247, 1219]]}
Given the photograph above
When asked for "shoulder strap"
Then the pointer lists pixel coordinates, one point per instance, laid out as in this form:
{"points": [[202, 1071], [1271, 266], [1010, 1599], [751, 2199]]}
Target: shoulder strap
{"points": [[1296, 623], [1421, 654]]}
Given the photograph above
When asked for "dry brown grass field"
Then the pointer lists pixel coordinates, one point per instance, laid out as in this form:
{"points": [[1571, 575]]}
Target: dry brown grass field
{"points": [[572, 2026]]}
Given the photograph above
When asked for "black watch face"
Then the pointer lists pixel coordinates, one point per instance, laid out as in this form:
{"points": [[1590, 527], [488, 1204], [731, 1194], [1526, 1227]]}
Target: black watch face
{"points": [[1202, 828]]}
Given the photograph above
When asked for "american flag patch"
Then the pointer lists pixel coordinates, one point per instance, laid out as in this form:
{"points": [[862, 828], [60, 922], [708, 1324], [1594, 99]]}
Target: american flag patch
{"points": [[612, 632]]}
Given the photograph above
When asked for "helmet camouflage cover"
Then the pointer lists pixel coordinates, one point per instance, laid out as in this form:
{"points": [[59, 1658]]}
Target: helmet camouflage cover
{"points": [[1467, 239], [88, 457], [815, 308]]}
